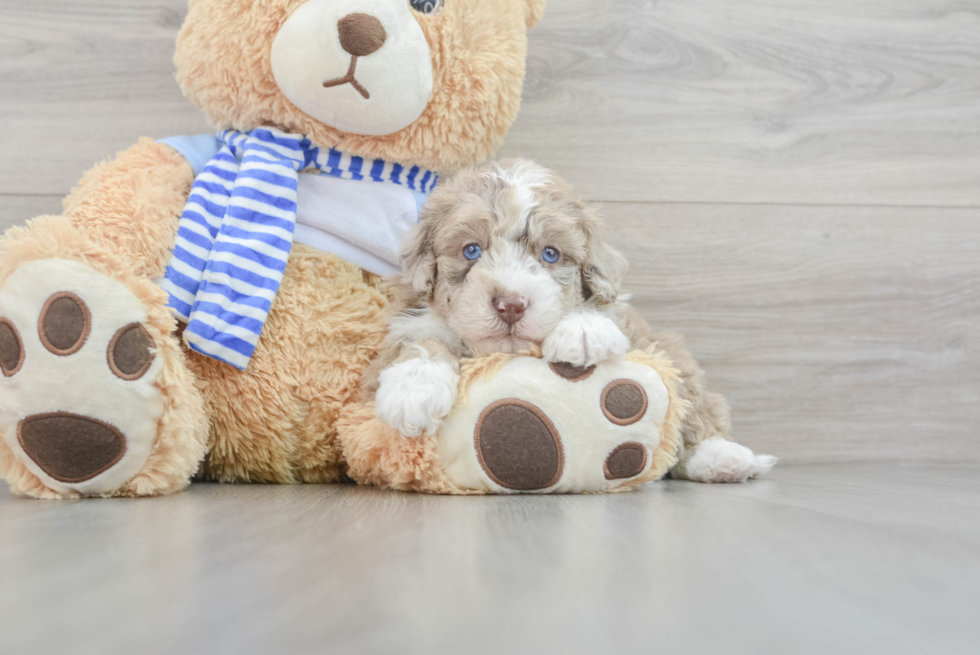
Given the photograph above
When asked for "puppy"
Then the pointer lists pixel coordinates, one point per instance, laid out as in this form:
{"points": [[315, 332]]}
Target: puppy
{"points": [[506, 258]]}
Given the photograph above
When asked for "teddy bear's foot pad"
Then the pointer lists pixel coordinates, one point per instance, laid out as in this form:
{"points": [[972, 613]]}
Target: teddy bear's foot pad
{"points": [[546, 428], [518, 446], [79, 404], [70, 447]]}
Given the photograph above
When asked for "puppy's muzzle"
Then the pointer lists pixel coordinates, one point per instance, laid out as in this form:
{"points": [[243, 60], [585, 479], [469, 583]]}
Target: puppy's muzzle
{"points": [[510, 308]]}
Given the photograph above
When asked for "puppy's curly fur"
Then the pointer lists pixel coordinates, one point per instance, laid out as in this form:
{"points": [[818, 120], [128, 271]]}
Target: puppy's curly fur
{"points": [[506, 257]]}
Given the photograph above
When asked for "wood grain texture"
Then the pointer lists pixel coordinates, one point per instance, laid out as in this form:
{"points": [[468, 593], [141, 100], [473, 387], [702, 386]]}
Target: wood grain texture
{"points": [[15, 210], [80, 81], [822, 101], [803, 101], [849, 559], [836, 333]]}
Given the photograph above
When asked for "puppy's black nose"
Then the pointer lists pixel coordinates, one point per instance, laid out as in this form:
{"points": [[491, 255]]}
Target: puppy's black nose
{"points": [[510, 308], [361, 34]]}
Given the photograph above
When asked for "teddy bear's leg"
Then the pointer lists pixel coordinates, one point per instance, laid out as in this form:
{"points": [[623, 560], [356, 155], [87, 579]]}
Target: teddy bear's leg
{"points": [[707, 452], [276, 420], [95, 395]]}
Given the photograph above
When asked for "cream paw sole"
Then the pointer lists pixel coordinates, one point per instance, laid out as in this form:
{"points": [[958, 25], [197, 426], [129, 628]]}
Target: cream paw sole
{"points": [[535, 427], [79, 401]]}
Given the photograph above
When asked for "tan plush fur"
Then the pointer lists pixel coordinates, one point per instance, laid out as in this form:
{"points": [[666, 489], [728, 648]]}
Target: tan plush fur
{"points": [[379, 455], [478, 55], [277, 421], [132, 203], [182, 435]]}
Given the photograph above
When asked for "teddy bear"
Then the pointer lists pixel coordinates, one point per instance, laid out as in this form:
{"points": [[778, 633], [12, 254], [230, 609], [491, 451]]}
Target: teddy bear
{"points": [[205, 306]]}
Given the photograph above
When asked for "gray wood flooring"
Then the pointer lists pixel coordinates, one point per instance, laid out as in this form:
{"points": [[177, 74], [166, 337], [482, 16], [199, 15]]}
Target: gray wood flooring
{"points": [[796, 184], [814, 559]]}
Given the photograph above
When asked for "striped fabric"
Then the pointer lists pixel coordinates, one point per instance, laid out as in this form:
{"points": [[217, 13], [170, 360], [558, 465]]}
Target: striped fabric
{"points": [[236, 232]]}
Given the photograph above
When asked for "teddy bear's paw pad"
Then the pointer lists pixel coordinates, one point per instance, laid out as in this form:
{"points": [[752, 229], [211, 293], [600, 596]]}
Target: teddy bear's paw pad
{"points": [[545, 428], [626, 461], [571, 372], [69, 447], [518, 446], [79, 404], [624, 402], [11, 348]]}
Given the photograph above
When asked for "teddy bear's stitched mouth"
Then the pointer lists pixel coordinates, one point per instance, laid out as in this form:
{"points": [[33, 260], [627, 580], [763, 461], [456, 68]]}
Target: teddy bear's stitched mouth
{"points": [[349, 79]]}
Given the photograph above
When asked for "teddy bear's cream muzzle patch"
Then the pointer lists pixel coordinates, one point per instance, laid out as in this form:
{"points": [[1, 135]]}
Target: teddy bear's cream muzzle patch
{"points": [[361, 66]]}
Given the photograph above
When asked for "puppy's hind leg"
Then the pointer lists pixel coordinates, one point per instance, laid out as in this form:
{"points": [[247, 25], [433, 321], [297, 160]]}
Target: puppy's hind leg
{"points": [[707, 452]]}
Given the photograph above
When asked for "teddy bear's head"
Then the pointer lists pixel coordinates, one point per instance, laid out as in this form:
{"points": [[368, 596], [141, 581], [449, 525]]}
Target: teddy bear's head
{"points": [[430, 82]]}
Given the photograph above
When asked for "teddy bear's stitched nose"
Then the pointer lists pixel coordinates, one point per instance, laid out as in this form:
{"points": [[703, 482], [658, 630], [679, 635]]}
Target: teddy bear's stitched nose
{"points": [[361, 34]]}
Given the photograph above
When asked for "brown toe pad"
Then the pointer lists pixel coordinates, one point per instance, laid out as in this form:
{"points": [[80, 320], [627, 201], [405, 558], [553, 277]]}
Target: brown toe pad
{"points": [[129, 352], [69, 447], [624, 402], [518, 446], [571, 372], [11, 348], [627, 460], [65, 324]]}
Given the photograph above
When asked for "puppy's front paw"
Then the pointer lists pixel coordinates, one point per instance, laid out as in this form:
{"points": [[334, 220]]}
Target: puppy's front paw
{"points": [[585, 339], [415, 395]]}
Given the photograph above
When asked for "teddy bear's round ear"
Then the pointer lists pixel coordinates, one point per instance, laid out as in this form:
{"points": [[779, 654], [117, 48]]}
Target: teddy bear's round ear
{"points": [[535, 11]]}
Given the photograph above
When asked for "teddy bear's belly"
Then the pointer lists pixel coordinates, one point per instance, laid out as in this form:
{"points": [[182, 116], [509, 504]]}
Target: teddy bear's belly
{"points": [[274, 422]]}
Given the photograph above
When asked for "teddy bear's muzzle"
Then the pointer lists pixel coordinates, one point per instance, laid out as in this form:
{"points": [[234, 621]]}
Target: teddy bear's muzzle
{"points": [[383, 49]]}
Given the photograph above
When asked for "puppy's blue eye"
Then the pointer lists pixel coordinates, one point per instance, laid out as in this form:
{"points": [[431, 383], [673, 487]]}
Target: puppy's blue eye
{"points": [[472, 252], [426, 6], [550, 255]]}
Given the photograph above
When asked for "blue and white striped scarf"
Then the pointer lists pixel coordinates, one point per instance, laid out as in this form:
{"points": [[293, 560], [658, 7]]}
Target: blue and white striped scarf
{"points": [[236, 232]]}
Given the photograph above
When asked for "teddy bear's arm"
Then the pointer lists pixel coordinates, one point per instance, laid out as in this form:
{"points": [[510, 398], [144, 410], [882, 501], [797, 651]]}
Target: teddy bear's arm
{"points": [[132, 203]]}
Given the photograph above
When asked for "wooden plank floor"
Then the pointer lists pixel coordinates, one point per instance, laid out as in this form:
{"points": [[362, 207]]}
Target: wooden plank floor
{"points": [[813, 559], [796, 184]]}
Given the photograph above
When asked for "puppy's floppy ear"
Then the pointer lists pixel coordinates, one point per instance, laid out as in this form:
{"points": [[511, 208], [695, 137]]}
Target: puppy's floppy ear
{"points": [[604, 267], [535, 12], [419, 260]]}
